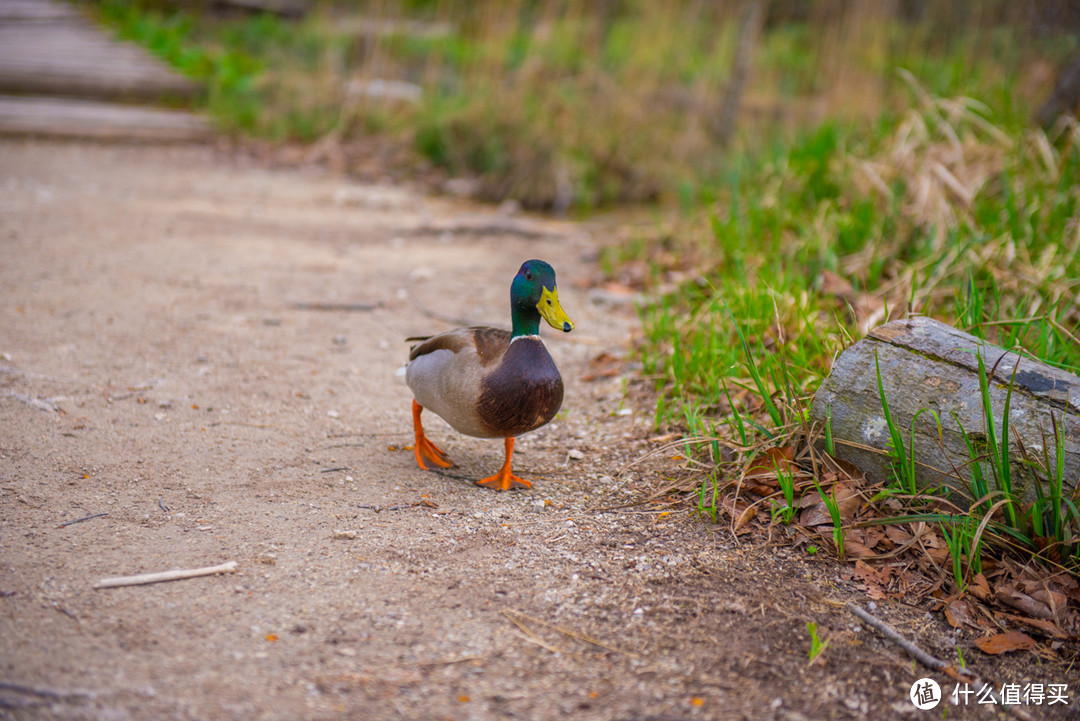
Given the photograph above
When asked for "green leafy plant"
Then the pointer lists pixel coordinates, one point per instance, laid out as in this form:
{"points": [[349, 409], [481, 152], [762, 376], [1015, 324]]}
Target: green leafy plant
{"points": [[786, 480], [903, 463], [708, 498], [963, 544], [998, 455], [817, 646], [834, 513], [1054, 515]]}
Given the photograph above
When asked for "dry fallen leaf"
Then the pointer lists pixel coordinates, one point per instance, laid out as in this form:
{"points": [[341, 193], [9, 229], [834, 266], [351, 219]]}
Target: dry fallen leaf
{"points": [[1069, 586], [979, 588], [760, 477], [816, 512], [816, 515], [868, 573], [848, 471], [1009, 595], [761, 487], [856, 549], [849, 500], [740, 513], [1005, 643], [1038, 590], [875, 592], [958, 613], [771, 460], [1048, 627], [857, 544], [897, 535], [872, 537]]}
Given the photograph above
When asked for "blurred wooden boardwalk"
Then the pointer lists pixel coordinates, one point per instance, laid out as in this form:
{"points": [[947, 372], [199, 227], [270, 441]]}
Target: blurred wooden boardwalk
{"points": [[61, 75]]}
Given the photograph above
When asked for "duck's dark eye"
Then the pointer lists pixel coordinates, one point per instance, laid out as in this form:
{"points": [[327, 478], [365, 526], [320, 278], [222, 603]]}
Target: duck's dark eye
{"points": [[528, 275]]}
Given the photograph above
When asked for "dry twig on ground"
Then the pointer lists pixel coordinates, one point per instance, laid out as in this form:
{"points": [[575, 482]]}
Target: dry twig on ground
{"points": [[176, 575]]}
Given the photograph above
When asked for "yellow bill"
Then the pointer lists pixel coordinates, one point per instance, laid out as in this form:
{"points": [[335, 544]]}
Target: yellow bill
{"points": [[552, 311]]}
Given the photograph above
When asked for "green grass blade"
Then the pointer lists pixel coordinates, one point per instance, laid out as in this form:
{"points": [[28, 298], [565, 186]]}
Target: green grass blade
{"points": [[979, 488], [998, 455], [828, 431], [901, 461], [1006, 461], [736, 415], [766, 398]]}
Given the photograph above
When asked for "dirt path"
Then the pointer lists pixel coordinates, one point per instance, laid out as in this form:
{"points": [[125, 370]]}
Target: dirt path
{"points": [[157, 368]]}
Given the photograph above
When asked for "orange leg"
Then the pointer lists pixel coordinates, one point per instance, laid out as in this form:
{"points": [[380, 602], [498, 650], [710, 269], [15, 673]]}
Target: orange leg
{"points": [[423, 447], [504, 480]]}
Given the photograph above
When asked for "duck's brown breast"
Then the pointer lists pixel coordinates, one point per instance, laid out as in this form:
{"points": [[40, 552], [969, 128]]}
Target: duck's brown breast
{"points": [[524, 392]]}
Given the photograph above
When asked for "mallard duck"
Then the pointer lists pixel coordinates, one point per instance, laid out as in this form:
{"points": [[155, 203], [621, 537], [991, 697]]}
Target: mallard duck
{"points": [[488, 382]]}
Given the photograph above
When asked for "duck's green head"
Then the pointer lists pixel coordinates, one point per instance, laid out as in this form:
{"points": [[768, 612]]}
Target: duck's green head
{"points": [[533, 296]]}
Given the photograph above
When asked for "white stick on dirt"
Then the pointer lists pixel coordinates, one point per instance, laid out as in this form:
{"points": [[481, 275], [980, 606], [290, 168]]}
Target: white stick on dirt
{"points": [[164, 576]]}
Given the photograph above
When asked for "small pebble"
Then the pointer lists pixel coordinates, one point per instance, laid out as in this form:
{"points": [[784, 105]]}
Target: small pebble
{"points": [[575, 454]]}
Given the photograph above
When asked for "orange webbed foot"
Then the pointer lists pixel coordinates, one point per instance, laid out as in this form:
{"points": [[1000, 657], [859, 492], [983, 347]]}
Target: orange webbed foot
{"points": [[426, 449], [504, 480], [422, 447]]}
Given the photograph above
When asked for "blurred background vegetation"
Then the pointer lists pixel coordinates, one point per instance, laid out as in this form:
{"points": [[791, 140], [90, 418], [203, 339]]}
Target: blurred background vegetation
{"points": [[575, 104]]}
